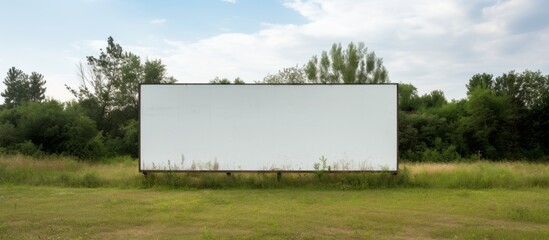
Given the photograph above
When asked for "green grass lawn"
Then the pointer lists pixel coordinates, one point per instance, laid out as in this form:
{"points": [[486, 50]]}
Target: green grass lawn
{"points": [[103, 213], [62, 198]]}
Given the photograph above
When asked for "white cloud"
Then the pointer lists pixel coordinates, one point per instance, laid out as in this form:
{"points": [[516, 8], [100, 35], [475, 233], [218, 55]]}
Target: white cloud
{"points": [[90, 45], [157, 21], [433, 45], [229, 1], [227, 55], [56, 85], [499, 17]]}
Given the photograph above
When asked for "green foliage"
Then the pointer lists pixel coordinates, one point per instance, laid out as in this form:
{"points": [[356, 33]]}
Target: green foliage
{"points": [[482, 81], [16, 87], [129, 140], [239, 81], [489, 128], [502, 118], [440, 154], [352, 65], [407, 97], [292, 75], [355, 64], [8, 134], [434, 99], [108, 95], [28, 148], [321, 166], [21, 88], [48, 127], [111, 85], [218, 80], [36, 87]]}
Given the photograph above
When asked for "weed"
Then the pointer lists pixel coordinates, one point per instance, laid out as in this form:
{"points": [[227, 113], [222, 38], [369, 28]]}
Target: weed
{"points": [[321, 166]]}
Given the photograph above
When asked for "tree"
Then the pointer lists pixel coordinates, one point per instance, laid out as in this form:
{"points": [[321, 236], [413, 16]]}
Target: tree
{"points": [[489, 128], [108, 94], [481, 80], [291, 75], [155, 72], [218, 80], [434, 99], [16, 87], [20, 88], [8, 134], [111, 83], [239, 81], [49, 127], [515, 101], [352, 65], [407, 97], [36, 87], [526, 91]]}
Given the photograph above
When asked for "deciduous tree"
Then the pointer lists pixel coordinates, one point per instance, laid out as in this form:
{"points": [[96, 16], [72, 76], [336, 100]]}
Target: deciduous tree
{"points": [[111, 83], [352, 65], [291, 75]]}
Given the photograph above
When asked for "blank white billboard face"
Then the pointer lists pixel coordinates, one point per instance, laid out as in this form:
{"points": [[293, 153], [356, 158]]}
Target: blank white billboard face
{"points": [[255, 127]]}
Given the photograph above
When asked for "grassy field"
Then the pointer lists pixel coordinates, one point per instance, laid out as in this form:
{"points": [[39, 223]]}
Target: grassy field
{"points": [[60, 198], [63, 213]]}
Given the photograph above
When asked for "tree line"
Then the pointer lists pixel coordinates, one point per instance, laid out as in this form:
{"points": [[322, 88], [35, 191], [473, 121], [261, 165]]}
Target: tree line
{"points": [[101, 122], [502, 117]]}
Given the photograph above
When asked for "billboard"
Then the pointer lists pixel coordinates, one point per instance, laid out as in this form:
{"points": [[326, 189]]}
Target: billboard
{"points": [[265, 127]]}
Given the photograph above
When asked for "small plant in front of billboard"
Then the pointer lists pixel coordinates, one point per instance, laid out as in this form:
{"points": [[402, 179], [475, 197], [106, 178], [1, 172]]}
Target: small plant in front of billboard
{"points": [[321, 166]]}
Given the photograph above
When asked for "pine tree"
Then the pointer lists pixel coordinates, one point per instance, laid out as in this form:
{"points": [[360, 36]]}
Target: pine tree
{"points": [[16, 87], [36, 87], [20, 88]]}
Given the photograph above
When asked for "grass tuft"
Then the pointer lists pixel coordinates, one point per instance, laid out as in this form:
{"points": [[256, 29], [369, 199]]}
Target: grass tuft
{"points": [[121, 172]]}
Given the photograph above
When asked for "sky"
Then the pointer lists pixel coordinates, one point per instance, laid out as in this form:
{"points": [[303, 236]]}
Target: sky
{"points": [[434, 45]]}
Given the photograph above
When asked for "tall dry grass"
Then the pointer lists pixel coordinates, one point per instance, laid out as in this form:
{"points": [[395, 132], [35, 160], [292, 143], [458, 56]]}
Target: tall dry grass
{"points": [[122, 172]]}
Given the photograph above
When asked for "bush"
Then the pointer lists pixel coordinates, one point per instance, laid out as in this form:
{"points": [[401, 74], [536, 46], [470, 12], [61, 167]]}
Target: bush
{"points": [[28, 148], [8, 134], [36, 128]]}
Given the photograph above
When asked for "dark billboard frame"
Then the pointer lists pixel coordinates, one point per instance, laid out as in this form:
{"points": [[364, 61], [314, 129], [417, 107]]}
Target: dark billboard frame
{"points": [[278, 171]]}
